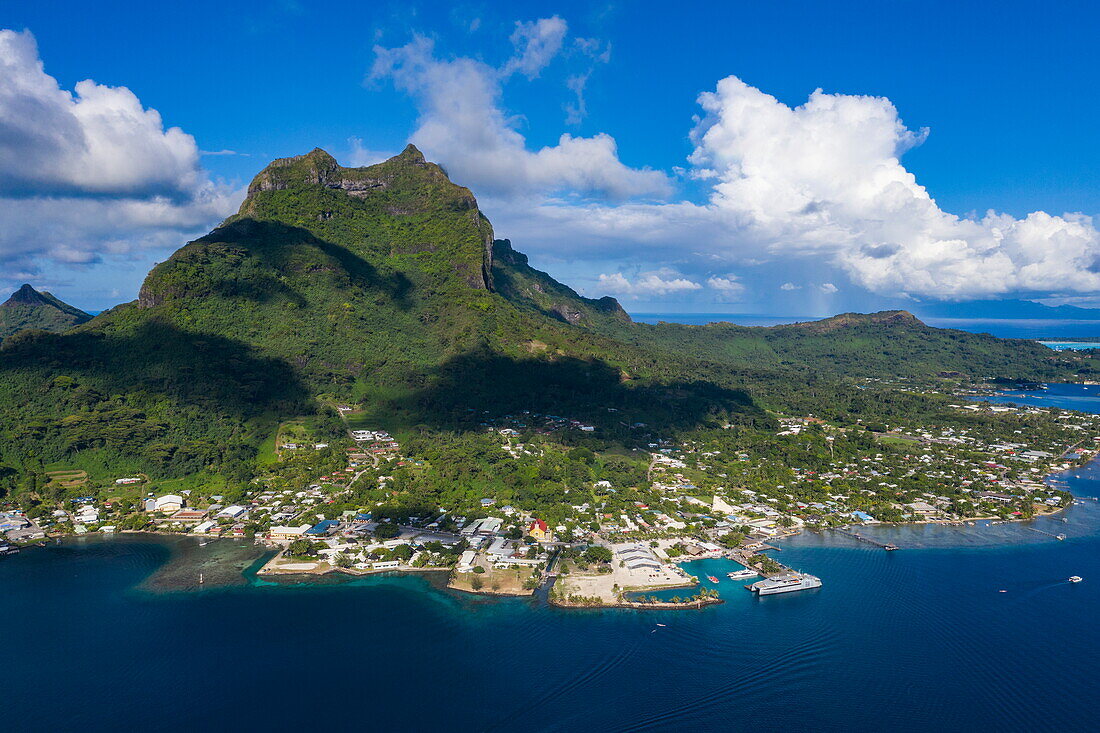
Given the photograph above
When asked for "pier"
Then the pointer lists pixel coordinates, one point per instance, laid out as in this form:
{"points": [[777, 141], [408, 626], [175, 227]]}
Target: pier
{"points": [[888, 546], [1048, 534]]}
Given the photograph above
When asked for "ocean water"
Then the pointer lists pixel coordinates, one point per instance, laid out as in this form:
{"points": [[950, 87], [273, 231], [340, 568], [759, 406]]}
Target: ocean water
{"points": [[1081, 397], [963, 629], [1071, 345]]}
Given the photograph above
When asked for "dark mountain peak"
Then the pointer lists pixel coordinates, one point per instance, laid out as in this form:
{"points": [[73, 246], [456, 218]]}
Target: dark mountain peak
{"points": [[310, 225], [408, 173], [320, 156], [26, 295], [28, 308], [317, 167], [411, 154]]}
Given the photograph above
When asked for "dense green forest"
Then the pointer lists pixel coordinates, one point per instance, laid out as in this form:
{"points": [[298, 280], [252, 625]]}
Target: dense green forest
{"points": [[383, 287]]}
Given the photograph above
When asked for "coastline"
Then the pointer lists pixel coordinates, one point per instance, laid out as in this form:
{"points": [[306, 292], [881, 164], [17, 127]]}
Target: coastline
{"points": [[639, 605], [271, 569]]}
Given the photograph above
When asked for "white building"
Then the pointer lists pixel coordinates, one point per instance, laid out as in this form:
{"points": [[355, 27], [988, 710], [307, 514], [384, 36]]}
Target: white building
{"points": [[168, 503], [466, 561]]}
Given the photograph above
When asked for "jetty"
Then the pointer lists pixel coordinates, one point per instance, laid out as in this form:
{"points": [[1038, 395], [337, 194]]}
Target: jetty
{"points": [[888, 546], [1048, 534]]}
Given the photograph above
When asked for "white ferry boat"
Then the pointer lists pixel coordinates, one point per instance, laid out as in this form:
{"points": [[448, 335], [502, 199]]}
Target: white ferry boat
{"points": [[785, 583]]}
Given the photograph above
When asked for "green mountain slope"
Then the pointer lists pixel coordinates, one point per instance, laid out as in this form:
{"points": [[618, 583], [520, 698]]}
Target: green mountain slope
{"points": [[28, 308], [384, 286], [888, 344]]}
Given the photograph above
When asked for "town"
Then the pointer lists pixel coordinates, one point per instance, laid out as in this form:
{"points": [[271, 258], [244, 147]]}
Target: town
{"points": [[610, 525]]}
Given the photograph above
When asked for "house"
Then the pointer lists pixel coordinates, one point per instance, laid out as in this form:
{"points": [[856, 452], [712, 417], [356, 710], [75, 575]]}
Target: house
{"points": [[168, 503], [538, 530], [922, 507]]}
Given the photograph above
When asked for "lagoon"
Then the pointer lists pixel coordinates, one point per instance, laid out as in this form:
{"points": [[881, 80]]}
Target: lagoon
{"points": [[910, 640]]}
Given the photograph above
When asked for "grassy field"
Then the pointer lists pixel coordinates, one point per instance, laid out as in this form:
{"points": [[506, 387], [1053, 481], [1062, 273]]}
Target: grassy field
{"points": [[494, 580], [68, 479]]}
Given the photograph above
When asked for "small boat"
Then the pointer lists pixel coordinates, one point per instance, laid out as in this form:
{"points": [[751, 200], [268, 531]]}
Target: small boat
{"points": [[1075, 578], [660, 624], [1059, 537], [890, 548], [712, 579]]}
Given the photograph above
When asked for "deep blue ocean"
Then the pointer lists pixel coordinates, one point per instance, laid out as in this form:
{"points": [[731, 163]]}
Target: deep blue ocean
{"points": [[964, 629]]}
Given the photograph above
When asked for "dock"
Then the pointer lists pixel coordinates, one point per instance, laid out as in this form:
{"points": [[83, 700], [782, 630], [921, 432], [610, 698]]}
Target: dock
{"points": [[888, 546], [1048, 534]]}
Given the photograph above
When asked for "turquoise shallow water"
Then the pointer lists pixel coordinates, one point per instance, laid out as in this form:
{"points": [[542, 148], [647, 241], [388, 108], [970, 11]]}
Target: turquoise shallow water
{"points": [[920, 639]]}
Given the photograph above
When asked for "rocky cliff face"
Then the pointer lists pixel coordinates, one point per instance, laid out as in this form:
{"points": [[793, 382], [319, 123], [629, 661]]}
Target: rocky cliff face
{"points": [[318, 168], [522, 284], [402, 215]]}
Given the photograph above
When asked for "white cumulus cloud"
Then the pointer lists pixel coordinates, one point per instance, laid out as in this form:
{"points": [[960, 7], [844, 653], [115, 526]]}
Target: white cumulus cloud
{"points": [[463, 126], [658, 283], [818, 186], [826, 178], [96, 139], [91, 172], [727, 283]]}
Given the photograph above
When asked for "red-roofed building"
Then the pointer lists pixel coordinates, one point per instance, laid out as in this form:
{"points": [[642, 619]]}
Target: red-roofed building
{"points": [[538, 530]]}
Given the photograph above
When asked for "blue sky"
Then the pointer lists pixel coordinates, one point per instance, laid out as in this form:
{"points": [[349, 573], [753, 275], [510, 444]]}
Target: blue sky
{"points": [[759, 200]]}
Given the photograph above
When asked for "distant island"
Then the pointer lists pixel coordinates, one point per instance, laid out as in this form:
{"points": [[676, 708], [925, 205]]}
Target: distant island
{"points": [[29, 309], [354, 370]]}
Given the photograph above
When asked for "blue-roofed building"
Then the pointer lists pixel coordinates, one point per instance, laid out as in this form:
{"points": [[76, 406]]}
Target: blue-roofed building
{"points": [[364, 517], [863, 516], [323, 528]]}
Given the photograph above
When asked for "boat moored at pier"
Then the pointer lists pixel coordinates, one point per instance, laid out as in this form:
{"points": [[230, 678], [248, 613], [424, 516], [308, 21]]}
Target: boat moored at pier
{"points": [[785, 583]]}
